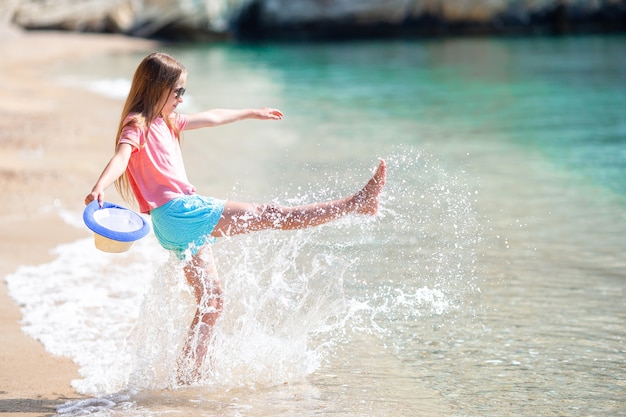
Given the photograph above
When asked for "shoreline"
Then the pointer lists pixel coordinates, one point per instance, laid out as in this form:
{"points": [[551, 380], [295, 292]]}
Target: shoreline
{"points": [[54, 141]]}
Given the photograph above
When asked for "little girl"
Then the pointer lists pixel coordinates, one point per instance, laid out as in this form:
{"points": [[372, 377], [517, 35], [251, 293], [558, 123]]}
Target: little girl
{"points": [[148, 169]]}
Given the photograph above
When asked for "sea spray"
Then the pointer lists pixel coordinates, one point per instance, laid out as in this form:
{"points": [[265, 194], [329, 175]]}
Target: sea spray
{"points": [[276, 296], [430, 246], [290, 298], [157, 339], [275, 293], [415, 266]]}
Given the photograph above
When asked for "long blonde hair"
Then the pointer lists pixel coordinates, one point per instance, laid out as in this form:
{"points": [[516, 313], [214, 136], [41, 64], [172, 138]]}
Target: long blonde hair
{"points": [[156, 75]]}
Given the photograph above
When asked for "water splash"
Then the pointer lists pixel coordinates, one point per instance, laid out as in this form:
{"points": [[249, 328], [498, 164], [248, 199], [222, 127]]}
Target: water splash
{"points": [[289, 298], [433, 229], [157, 339]]}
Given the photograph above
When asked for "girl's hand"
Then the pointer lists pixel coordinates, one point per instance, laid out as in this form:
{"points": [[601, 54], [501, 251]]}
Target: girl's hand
{"points": [[95, 195], [268, 114]]}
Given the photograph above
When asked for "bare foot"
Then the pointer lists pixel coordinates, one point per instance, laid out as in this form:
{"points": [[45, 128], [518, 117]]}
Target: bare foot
{"points": [[367, 199]]}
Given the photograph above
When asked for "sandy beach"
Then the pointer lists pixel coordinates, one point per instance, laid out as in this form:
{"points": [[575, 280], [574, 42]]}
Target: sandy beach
{"points": [[54, 141]]}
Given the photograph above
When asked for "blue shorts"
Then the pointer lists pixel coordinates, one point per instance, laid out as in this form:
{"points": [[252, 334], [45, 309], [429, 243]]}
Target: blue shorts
{"points": [[186, 222]]}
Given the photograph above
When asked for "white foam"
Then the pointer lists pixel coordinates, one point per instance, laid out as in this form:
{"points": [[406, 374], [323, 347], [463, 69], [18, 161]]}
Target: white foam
{"points": [[84, 303]]}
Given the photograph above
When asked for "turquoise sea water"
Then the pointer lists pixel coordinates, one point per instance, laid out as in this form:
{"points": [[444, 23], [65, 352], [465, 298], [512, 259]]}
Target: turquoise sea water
{"points": [[492, 283]]}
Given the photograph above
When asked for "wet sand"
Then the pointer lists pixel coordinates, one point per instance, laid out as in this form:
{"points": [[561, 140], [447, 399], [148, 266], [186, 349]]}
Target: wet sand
{"points": [[54, 141]]}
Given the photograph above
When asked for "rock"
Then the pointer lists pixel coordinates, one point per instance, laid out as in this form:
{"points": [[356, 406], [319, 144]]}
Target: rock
{"points": [[62, 14], [333, 19], [316, 19], [122, 18]]}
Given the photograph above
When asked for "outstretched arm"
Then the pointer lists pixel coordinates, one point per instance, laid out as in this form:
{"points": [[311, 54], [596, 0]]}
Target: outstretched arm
{"points": [[218, 117], [116, 167]]}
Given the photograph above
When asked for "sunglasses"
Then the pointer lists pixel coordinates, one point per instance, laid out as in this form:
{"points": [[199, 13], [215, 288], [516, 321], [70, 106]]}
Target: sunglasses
{"points": [[179, 92]]}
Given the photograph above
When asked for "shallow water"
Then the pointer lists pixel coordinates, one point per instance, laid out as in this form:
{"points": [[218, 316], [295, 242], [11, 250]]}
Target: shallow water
{"points": [[492, 282]]}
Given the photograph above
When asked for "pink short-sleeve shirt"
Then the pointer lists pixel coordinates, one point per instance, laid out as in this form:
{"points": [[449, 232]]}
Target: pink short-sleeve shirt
{"points": [[155, 170]]}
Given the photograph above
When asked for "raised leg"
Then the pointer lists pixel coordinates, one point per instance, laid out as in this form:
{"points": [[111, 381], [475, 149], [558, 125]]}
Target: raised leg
{"points": [[241, 218]]}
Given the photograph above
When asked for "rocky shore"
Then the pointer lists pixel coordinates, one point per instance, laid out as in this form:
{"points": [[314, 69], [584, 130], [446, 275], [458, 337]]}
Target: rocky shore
{"points": [[317, 19]]}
